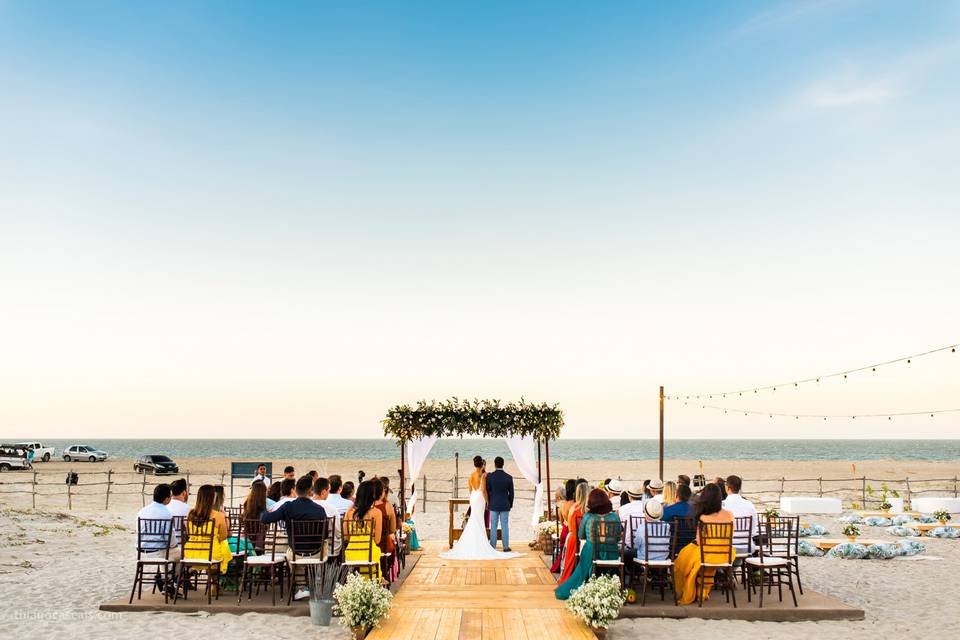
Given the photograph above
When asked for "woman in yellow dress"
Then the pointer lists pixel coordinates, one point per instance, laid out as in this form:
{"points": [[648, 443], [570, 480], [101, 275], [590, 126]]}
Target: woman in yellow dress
{"points": [[364, 547], [687, 565], [198, 523]]}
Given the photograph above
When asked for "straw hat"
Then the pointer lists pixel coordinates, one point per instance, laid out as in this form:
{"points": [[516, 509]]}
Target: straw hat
{"points": [[634, 490], [615, 485], [656, 484], [653, 509]]}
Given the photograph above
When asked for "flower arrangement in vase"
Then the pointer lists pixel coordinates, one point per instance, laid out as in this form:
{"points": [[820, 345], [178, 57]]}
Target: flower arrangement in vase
{"points": [[942, 516], [851, 531], [884, 492]]}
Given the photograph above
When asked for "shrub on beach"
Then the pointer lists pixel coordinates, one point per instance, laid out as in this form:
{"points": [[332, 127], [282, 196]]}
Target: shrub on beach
{"points": [[597, 603]]}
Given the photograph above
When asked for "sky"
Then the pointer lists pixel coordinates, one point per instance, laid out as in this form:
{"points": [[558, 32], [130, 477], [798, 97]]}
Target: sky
{"points": [[266, 219]]}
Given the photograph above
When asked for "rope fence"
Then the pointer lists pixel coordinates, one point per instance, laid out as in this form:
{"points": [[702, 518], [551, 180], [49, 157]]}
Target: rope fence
{"points": [[103, 488]]}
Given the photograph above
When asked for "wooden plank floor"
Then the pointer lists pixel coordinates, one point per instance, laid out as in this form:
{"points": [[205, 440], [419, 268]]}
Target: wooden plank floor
{"points": [[487, 599]]}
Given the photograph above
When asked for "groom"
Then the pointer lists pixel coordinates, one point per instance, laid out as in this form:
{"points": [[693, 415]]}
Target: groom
{"points": [[500, 494]]}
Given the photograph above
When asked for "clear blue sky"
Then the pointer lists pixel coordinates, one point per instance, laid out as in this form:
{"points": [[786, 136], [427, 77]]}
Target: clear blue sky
{"points": [[221, 216]]}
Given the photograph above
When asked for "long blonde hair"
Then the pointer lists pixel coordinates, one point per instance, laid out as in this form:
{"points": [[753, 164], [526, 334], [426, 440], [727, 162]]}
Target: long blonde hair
{"points": [[580, 498], [669, 492]]}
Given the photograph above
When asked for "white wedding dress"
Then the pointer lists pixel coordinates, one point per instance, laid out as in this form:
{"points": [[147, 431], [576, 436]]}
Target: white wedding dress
{"points": [[474, 544]]}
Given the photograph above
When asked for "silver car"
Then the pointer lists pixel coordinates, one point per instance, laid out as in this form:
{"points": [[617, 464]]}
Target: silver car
{"points": [[81, 452]]}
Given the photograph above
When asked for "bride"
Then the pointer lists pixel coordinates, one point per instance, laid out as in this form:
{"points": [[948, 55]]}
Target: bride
{"points": [[474, 543]]}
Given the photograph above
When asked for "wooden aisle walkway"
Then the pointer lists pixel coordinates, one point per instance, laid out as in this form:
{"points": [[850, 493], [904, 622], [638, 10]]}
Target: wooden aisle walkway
{"points": [[499, 599]]}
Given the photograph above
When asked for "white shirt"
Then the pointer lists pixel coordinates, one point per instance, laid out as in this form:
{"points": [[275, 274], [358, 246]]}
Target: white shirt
{"points": [[178, 508], [333, 514], [740, 507], [658, 498], [339, 503], [280, 502], [632, 508], [263, 478], [154, 511]]}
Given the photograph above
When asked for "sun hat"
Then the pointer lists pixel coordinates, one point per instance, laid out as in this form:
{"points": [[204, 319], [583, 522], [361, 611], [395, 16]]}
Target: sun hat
{"points": [[634, 489], [656, 484], [614, 485], [653, 509]]}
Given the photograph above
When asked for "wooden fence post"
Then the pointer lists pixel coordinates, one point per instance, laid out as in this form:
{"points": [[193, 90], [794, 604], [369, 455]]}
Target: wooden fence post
{"points": [[863, 492], [106, 505], [143, 490], [820, 485], [781, 488], [909, 499], [70, 490], [955, 493], [33, 490]]}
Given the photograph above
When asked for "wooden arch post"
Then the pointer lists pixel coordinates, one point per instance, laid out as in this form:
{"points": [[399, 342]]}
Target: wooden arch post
{"points": [[547, 490], [403, 478]]}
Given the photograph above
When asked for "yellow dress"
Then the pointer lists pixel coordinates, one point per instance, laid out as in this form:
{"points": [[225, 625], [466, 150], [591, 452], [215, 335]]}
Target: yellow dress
{"points": [[356, 550], [221, 548], [685, 570]]}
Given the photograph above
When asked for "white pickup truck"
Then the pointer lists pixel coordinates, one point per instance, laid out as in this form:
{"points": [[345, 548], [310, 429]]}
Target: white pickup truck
{"points": [[40, 452]]}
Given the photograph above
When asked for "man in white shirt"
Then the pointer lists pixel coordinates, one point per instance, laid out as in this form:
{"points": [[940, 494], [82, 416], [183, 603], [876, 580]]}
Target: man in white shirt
{"points": [[262, 476], [178, 506], [740, 507], [321, 495], [633, 508], [656, 490], [156, 545], [339, 502], [288, 493]]}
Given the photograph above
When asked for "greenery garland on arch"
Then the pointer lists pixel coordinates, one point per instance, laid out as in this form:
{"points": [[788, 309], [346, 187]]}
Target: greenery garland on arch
{"points": [[455, 417]]}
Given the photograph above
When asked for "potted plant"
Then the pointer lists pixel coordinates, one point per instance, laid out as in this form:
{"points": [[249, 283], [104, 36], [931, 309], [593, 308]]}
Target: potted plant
{"points": [[885, 505], [597, 603], [771, 512], [321, 598], [363, 604], [851, 531], [545, 532], [942, 516]]}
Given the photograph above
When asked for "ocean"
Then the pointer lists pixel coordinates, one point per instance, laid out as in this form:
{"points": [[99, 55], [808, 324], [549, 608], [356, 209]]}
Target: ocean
{"points": [[564, 449]]}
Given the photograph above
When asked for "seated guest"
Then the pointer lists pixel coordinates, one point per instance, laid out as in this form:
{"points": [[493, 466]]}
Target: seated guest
{"points": [[414, 541], [389, 529], [321, 495], [574, 516], [682, 479], [256, 501], [347, 491], [158, 510], [178, 501], [340, 503], [687, 565], [628, 512], [273, 494], [388, 493], [652, 512], [364, 511], [656, 490], [262, 476], [299, 508], [569, 489], [681, 507], [669, 495], [288, 492], [740, 507], [314, 474], [598, 509], [720, 482], [646, 490], [614, 488], [289, 473], [202, 513]]}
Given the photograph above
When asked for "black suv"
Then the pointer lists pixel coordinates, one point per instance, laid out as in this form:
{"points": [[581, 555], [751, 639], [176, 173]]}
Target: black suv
{"points": [[157, 465]]}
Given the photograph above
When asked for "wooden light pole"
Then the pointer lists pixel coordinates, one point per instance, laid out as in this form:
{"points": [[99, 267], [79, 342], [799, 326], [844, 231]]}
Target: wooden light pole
{"points": [[661, 432]]}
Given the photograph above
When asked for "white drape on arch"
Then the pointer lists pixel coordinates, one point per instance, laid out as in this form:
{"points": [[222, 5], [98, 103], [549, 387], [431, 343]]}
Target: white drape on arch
{"points": [[524, 452], [522, 448], [417, 452]]}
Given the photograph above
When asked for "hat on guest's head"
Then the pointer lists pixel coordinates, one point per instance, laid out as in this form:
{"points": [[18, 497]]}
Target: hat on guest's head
{"points": [[634, 490], [614, 485], [653, 509], [656, 484]]}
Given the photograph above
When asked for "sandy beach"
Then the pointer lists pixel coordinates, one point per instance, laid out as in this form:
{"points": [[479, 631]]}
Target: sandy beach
{"points": [[91, 550]]}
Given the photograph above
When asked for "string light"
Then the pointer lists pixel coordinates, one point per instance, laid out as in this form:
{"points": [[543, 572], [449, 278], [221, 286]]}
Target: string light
{"points": [[796, 383], [821, 416]]}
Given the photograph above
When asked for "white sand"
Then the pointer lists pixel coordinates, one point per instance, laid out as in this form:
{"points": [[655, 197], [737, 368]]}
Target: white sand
{"points": [[57, 567]]}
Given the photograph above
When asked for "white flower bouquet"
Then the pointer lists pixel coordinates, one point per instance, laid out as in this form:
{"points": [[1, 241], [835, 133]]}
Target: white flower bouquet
{"points": [[942, 515], [547, 528], [363, 603], [597, 603]]}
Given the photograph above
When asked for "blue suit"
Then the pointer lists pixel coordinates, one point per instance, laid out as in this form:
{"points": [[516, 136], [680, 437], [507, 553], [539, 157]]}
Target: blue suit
{"points": [[500, 495]]}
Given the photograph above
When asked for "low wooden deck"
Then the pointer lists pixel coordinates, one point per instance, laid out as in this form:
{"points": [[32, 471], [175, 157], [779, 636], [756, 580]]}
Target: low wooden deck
{"points": [[500, 599]]}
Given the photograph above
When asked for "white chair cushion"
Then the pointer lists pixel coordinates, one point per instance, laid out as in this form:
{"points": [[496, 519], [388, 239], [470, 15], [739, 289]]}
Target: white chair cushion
{"points": [[359, 563], [766, 562], [265, 559], [303, 561], [654, 563], [608, 563], [719, 565]]}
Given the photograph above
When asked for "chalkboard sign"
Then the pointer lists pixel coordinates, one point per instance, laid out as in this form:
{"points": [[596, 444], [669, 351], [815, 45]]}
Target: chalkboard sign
{"points": [[246, 471]]}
